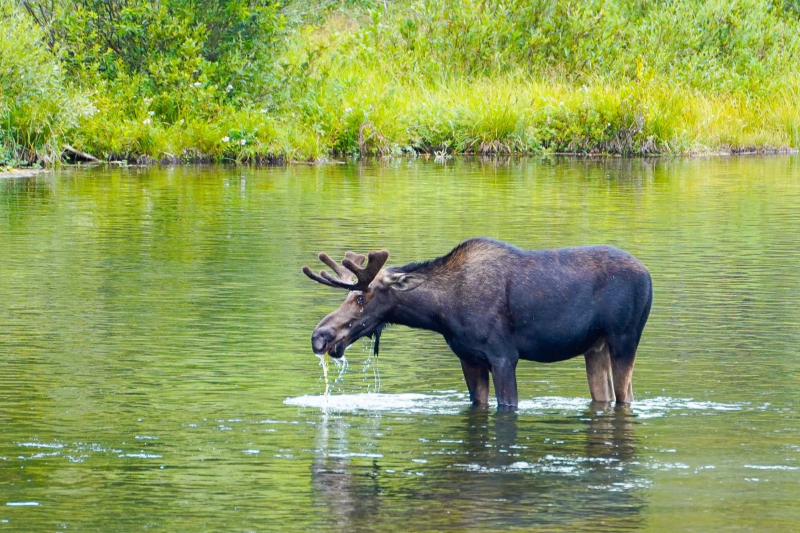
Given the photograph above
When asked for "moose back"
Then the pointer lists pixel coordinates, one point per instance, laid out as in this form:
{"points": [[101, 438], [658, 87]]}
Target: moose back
{"points": [[496, 304]]}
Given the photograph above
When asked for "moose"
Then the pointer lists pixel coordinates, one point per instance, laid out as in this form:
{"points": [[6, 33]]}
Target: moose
{"points": [[495, 304]]}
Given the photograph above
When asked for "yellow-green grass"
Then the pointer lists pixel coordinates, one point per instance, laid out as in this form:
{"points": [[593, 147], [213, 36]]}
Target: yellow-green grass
{"points": [[380, 115]]}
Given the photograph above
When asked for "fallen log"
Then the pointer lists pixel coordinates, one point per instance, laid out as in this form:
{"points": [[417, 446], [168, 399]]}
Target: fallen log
{"points": [[82, 155]]}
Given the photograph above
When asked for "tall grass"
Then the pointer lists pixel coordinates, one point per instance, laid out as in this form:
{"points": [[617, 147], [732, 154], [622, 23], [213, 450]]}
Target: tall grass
{"points": [[621, 76]]}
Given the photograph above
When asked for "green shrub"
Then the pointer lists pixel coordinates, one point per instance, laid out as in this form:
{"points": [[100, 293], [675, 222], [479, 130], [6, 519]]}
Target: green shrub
{"points": [[184, 56], [37, 108]]}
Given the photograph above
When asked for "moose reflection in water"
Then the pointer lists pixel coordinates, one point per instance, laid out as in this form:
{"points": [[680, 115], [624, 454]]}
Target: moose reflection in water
{"points": [[492, 466], [496, 304]]}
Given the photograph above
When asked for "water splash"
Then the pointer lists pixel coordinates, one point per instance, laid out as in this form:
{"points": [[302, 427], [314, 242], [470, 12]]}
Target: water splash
{"points": [[323, 362], [449, 402], [661, 405], [342, 365], [371, 363], [398, 403]]}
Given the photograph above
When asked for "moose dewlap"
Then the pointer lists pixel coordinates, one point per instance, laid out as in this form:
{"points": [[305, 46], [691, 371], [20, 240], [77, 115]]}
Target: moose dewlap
{"points": [[496, 304]]}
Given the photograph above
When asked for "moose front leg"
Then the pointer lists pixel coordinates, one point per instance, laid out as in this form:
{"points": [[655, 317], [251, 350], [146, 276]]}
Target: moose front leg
{"points": [[477, 378], [504, 377]]}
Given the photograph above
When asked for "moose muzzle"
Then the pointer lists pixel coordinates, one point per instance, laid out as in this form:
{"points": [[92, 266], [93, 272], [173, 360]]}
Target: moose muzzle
{"points": [[320, 339]]}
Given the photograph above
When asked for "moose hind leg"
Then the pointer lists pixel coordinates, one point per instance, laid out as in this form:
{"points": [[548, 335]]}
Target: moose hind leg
{"points": [[599, 373], [504, 377], [477, 378], [623, 355]]}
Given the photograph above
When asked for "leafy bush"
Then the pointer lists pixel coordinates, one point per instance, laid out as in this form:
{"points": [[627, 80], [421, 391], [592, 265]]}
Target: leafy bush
{"points": [[37, 108], [183, 55]]}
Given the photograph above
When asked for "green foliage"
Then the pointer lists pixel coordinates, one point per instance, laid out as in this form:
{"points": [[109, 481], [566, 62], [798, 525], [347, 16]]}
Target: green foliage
{"points": [[254, 80], [37, 107], [183, 55]]}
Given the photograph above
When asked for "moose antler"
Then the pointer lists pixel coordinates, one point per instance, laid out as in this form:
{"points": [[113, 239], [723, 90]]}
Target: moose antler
{"points": [[349, 269]]}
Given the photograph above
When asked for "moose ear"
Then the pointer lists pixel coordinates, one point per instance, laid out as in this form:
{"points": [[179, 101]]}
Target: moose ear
{"points": [[405, 282]]}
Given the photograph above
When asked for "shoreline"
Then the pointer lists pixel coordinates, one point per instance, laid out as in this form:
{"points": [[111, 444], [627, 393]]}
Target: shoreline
{"points": [[22, 172], [12, 173]]}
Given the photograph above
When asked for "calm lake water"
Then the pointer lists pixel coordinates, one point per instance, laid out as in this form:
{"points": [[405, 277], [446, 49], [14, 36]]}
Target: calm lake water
{"points": [[156, 370]]}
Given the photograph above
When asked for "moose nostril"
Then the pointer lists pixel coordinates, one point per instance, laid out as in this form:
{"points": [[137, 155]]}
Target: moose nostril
{"points": [[319, 339]]}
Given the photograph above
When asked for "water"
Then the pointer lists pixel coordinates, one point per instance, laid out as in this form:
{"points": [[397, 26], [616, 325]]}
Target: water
{"points": [[156, 369]]}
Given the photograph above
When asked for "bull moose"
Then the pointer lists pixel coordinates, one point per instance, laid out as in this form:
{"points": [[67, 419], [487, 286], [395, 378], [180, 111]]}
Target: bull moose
{"points": [[496, 304]]}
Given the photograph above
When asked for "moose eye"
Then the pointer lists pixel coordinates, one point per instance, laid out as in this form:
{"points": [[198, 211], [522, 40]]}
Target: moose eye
{"points": [[360, 300]]}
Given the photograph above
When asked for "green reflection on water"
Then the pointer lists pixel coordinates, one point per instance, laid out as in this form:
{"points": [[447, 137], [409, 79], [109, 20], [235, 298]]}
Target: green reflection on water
{"points": [[153, 321]]}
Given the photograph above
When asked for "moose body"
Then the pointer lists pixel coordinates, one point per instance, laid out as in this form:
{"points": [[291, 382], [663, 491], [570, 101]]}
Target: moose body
{"points": [[496, 304]]}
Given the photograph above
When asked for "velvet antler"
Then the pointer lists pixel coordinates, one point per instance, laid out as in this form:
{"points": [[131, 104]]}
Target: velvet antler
{"points": [[349, 269]]}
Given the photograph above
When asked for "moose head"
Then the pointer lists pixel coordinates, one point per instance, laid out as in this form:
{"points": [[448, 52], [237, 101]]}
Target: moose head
{"points": [[369, 305]]}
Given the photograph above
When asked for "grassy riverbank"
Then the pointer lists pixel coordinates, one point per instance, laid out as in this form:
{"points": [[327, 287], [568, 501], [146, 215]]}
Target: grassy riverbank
{"points": [[623, 76]]}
